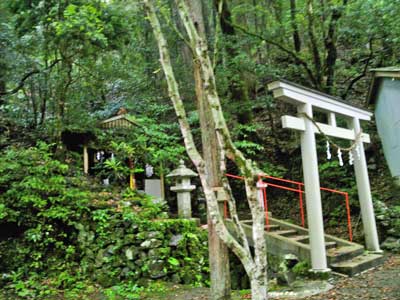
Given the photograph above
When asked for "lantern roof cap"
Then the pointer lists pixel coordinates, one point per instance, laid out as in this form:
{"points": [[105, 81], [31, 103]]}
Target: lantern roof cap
{"points": [[182, 171]]}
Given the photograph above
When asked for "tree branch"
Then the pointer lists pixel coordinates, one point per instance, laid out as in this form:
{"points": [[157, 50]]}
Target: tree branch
{"points": [[27, 76], [297, 59], [362, 75]]}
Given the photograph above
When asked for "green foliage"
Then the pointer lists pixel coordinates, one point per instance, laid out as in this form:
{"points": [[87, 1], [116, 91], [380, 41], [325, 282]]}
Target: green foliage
{"points": [[129, 291], [302, 268], [39, 202], [82, 22], [67, 237], [245, 144]]}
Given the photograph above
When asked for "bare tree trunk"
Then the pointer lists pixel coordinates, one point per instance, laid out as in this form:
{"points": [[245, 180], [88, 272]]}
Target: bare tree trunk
{"points": [[256, 267], [218, 252]]}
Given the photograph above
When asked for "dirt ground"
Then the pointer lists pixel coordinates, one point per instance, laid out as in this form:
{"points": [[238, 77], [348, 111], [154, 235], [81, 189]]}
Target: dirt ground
{"points": [[382, 283]]}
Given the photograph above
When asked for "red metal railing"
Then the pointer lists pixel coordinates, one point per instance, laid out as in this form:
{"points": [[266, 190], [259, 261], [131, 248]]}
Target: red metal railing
{"points": [[299, 190]]}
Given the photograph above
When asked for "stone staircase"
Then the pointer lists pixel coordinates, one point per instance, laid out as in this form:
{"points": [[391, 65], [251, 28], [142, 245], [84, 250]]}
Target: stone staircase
{"points": [[343, 256]]}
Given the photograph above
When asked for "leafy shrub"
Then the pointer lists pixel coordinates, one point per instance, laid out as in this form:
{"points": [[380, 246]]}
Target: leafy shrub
{"points": [[58, 234], [39, 207]]}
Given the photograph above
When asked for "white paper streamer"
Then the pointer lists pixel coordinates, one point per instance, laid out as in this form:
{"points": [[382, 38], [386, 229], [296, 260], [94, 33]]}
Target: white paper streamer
{"points": [[339, 154], [328, 151]]}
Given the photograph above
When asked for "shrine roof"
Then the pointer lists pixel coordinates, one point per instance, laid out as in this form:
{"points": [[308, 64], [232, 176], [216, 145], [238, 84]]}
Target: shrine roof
{"points": [[377, 75]]}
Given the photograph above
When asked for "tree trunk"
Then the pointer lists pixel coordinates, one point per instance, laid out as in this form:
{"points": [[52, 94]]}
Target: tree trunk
{"points": [[314, 44], [255, 266], [330, 46], [219, 256], [295, 28]]}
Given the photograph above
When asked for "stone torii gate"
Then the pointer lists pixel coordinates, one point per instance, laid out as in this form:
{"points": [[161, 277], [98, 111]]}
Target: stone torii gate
{"points": [[306, 100]]}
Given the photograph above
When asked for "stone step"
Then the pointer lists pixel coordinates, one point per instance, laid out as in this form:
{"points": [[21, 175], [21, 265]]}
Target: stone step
{"points": [[343, 256], [358, 264], [300, 238], [285, 233], [247, 222], [340, 254], [272, 227], [305, 240], [330, 245]]}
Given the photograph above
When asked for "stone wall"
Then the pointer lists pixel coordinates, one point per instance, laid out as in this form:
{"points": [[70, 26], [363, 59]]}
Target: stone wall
{"points": [[144, 250]]}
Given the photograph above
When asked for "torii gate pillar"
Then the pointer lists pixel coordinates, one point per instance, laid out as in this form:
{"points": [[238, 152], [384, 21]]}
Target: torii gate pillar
{"points": [[364, 195], [313, 193]]}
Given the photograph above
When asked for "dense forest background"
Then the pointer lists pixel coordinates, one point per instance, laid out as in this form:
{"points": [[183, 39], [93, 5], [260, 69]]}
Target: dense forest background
{"points": [[66, 65]]}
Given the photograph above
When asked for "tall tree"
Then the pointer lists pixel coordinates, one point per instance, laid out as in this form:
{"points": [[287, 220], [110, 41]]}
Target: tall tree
{"points": [[255, 265], [218, 252]]}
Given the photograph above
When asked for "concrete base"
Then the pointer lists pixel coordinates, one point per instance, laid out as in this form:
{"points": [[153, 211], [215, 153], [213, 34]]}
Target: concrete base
{"points": [[327, 270], [358, 264]]}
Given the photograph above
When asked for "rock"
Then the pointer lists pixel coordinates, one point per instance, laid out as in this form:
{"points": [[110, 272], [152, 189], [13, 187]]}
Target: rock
{"points": [[157, 269], [155, 235], [125, 272], [103, 277], [110, 250], [175, 239], [143, 255], [159, 252], [152, 243], [393, 232], [99, 258], [188, 275], [129, 239], [286, 276], [140, 262], [117, 261], [131, 265], [131, 253], [126, 203], [176, 278], [143, 281], [391, 244]]}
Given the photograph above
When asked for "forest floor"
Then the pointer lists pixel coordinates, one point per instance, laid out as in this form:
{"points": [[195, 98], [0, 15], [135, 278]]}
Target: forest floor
{"points": [[382, 283]]}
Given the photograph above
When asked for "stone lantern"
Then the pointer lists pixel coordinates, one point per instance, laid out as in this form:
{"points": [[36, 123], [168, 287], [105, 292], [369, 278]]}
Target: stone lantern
{"points": [[183, 189]]}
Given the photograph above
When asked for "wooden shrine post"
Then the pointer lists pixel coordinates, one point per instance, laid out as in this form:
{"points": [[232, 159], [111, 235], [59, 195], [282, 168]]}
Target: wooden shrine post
{"points": [[306, 100], [85, 160]]}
